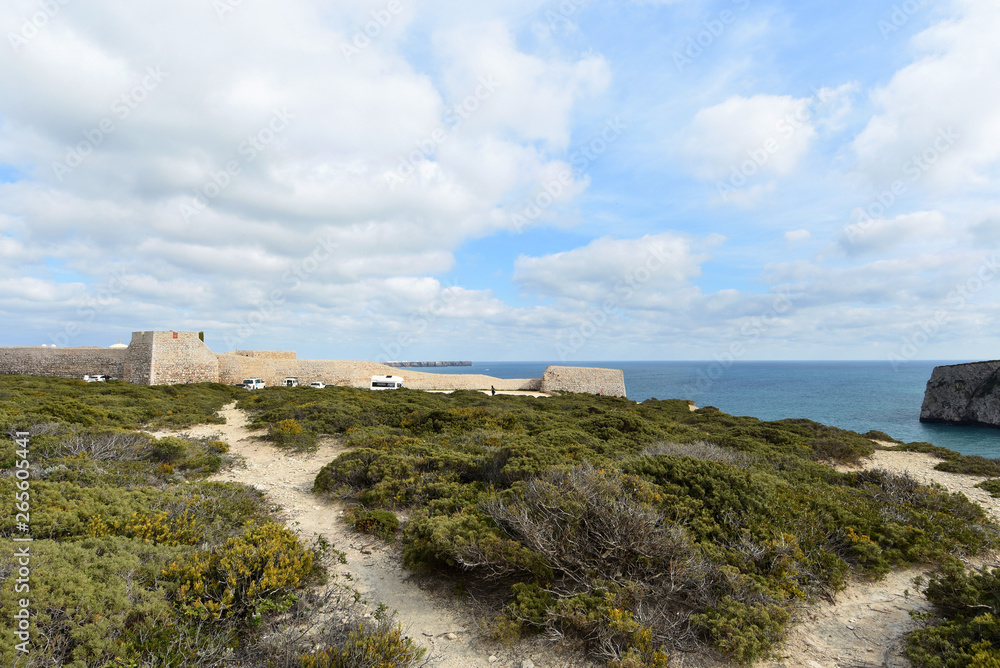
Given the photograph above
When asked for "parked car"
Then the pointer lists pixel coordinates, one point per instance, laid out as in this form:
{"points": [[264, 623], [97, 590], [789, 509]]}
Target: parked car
{"points": [[317, 385], [253, 383], [95, 378]]}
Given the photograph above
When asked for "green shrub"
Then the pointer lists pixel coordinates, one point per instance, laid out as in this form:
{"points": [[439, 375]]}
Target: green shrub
{"points": [[90, 600], [378, 645], [379, 523], [29, 400], [744, 631], [968, 604], [289, 434], [876, 435], [252, 572], [992, 486]]}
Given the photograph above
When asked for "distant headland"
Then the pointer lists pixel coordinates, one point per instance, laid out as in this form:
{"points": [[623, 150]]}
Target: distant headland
{"points": [[963, 394], [405, 365]]}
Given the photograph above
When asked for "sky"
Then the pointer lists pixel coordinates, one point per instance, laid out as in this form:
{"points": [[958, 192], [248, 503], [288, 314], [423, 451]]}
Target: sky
{"points": [[504, 180]]}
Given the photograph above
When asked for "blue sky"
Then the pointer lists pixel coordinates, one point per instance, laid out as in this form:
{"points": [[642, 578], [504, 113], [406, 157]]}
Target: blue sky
{"points": [[520, 180]]}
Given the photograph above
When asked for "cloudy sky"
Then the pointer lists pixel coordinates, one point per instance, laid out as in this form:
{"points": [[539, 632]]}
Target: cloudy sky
{"points": [[504, 180]]}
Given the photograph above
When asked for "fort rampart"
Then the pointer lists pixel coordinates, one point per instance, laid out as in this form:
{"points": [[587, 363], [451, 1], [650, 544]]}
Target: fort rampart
{"points": [[169, 358], [62, 362]]}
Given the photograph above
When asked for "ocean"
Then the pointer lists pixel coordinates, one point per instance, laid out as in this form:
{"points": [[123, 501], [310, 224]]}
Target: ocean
{"points": [[860, 396]]}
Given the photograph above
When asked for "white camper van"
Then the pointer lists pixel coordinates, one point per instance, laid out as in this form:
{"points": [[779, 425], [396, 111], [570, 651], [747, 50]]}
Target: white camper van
{"points": [[253, 383], [386, 382]]}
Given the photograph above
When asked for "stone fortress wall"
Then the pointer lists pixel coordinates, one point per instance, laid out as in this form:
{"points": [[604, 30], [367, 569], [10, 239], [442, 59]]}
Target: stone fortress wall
{"points": [[583, 380], [62, 362], [168, 358]]}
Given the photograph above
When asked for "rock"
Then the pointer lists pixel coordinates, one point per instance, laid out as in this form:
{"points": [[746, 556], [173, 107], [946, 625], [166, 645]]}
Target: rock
{"points": [[527, 663], [493, 659], [450, 636], [966, 394]]}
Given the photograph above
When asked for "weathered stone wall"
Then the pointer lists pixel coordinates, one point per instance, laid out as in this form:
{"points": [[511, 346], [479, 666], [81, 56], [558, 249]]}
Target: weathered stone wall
{"points": [[139, 358], [181, 357], [169, 358], [963, 394], [62, 362], [266, 354], [584, 380]]}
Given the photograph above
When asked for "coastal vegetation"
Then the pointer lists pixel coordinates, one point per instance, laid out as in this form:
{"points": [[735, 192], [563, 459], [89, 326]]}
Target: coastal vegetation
{"points": [[642, 530], [137, 560], [639, 530]]}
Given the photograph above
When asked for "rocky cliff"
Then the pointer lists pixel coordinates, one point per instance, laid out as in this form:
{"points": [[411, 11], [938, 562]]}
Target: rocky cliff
{"points": [[963, 394]]}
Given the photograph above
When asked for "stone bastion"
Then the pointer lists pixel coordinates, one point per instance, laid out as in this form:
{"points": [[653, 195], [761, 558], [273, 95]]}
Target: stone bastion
{"points": [[170, 358]]}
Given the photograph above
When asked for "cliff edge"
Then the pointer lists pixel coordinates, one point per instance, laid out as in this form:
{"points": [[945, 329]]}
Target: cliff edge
{"points": [[966, 394]]}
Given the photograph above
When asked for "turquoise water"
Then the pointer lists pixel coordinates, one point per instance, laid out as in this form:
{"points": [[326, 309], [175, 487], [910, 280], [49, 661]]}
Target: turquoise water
{"points": [[852, 395]]}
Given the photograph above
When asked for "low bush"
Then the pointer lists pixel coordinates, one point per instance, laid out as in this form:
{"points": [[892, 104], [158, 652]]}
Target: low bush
{"points": [[255, 571], [992, 486], [381, 523], [378, 644], [967, 632], [29, 400], [289, 434]]}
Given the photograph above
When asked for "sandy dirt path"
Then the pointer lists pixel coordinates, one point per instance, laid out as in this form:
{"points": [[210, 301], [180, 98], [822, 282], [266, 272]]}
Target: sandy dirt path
{"points": [[866, 625], [447, 629]]}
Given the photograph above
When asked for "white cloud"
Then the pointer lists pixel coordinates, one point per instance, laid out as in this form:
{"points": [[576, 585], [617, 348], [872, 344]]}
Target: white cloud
{"points": [[763, 134], [927, 228], [129, 196], [654, 270], [534, 97], [939, 118]]}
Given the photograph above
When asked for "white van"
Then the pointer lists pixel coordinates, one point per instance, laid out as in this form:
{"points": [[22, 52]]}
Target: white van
{"points": [[386, 382], [291, 381], [253, 383]]}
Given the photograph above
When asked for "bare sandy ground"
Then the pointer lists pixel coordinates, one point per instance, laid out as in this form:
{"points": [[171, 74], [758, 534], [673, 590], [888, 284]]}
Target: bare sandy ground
{"points": [[863, 628]]}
